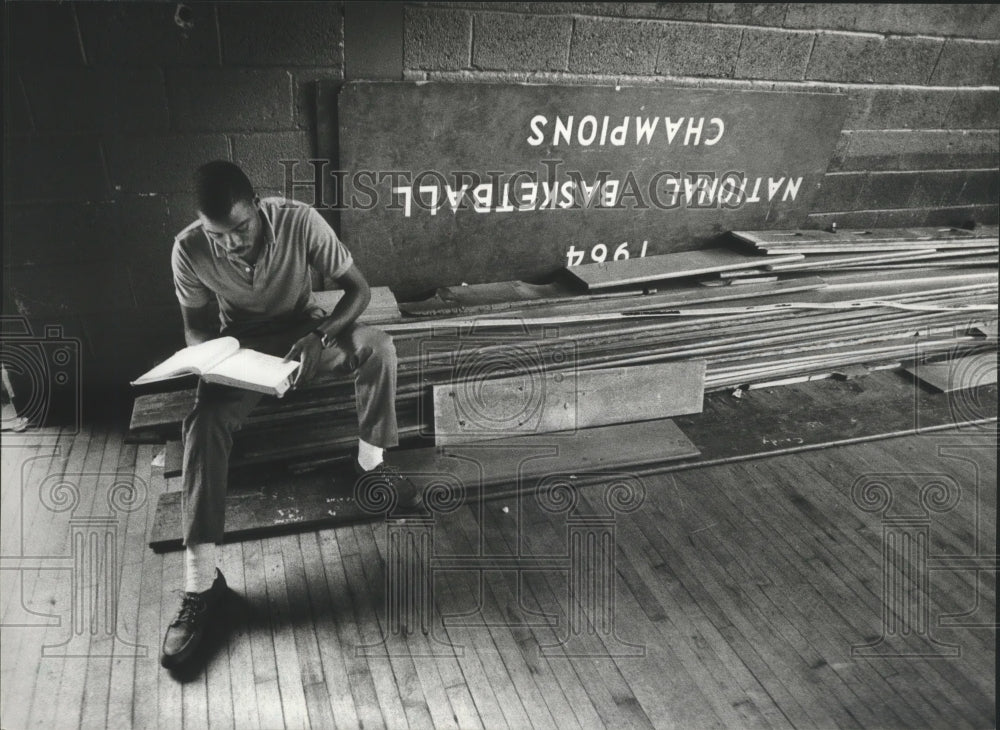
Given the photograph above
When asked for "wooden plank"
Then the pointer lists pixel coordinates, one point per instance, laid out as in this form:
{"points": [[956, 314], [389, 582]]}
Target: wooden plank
{"points": [[545, 402], [957, 373], [246, 713], [669, 266], [283, 503], [912, 235], [290, 669], [813, 262], [343, 613], [263, 657], [880, 259], [173, 459], [395, 713]]}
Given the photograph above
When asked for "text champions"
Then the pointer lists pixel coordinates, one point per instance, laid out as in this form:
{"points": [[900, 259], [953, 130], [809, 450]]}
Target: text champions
{"points": [[589, 130]]}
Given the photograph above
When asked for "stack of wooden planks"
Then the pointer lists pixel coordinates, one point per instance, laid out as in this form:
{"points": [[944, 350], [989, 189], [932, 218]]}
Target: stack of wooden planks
{"points": [[619, 318]]}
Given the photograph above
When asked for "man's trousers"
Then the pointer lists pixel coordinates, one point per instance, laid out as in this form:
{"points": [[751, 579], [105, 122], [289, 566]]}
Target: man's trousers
{"points": [[365, 352]]}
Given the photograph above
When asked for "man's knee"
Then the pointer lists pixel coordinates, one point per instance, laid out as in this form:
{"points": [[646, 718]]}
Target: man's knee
{"points": [[379, 344], [211, 417]]}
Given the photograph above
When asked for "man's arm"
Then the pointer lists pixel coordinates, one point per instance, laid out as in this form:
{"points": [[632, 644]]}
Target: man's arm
{"points": [[200, 325], [357, 295], [307, 350]]}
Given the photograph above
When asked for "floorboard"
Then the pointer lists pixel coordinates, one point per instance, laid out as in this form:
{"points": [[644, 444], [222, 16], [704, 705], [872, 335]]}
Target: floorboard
{"points": [[747, 583]]}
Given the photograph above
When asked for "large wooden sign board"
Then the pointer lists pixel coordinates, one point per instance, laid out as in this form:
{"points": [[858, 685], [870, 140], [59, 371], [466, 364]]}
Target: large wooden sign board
{"points": [[452, 183]]}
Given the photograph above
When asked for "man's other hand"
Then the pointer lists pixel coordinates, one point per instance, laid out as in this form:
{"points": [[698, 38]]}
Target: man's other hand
{"points": [[307, 351]]}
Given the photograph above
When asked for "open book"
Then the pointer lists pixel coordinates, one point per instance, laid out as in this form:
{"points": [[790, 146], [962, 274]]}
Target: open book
{"points": [[222, 360]]}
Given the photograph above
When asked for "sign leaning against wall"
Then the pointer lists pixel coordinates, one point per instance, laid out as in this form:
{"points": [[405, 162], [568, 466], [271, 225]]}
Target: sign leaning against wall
{"points": [[448, 183]]}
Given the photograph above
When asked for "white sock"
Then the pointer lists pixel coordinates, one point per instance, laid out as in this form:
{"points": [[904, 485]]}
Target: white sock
{"points": [[200, 560], [368, 456]]}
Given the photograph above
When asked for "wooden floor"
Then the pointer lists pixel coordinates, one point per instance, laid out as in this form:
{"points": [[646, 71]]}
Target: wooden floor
{"points": [[743, 586]]}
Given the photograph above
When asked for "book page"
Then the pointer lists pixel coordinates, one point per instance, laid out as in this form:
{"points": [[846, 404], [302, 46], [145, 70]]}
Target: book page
{"points": [[196, 360], [253, 370]]}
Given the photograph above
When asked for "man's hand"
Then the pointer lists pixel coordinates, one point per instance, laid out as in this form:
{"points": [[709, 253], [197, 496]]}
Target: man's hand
{"points": [[307, 351]]}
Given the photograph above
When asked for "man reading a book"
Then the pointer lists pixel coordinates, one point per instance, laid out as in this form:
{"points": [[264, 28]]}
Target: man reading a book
{"points": [[254, 258]]}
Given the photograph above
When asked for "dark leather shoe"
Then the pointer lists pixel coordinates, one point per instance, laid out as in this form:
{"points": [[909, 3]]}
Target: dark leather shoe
{"points": [[186, 631], [409, 498]]}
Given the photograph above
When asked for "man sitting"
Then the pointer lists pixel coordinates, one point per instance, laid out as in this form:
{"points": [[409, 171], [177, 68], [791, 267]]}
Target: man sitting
{"points": [[254, 257]]}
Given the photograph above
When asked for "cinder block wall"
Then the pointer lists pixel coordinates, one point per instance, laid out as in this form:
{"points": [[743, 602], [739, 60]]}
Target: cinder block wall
{"points": [[108, 108]]}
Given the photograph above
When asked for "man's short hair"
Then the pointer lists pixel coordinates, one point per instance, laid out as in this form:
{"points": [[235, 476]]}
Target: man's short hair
{"points": [[219, 185]]}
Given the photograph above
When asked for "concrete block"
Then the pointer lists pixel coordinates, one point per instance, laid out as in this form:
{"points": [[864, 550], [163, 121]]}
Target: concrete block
{"points": [[904, 60], [145, 34], [230, 99], [521, 43], [42, 35], [157, 164], [259, 155], [935, 189], [868, 59], [973, 109], [614, 46], [668, 11], [106, 99], [769, 14], [614, 10], [181, 212], [982, 187], [71, 289], [908, 108], [698, 50], [838, 192], [282, 34], [842, 57], [54, 168], [967, 63], [773, 54], [939, 19], [859, 102], [436, 39], [39, 233], [887, 190]]}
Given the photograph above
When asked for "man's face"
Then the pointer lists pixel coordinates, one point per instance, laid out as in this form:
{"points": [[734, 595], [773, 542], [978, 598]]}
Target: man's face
{"points": [[238, 231]]}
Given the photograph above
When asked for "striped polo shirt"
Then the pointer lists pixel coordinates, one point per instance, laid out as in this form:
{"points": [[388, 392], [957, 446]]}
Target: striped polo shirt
{"points": [[279, 285]]}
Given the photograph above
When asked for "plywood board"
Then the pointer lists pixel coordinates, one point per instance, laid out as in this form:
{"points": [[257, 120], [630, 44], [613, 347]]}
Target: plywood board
{"points": [[961, 373], [670, 266], [510, 196], [273, 502], [565, 401]]}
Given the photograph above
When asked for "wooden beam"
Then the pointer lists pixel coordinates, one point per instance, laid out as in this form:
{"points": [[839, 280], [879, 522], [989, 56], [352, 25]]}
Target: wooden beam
{"points": [[565, 400]]}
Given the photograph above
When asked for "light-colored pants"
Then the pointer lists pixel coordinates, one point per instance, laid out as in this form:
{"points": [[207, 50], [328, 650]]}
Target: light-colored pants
{"points": [[364, 351]]}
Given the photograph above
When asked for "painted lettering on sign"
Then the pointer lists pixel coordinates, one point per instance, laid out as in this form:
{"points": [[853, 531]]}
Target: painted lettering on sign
{"points": [[590, 130], [666, 190]]}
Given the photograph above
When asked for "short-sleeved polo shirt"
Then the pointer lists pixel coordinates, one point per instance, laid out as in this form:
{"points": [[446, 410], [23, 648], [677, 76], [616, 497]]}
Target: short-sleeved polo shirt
{"points": [[279, 285]]}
